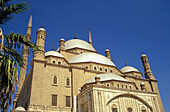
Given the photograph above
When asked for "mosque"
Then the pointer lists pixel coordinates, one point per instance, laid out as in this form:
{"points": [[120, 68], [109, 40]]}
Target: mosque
{"points": [[76, 78]]}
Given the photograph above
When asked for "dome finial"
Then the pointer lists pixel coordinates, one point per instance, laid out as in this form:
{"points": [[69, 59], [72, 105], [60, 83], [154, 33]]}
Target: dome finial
{"points": [[143, 54], [90, 38], [52, 47], [125, 63], [75, 36], [42, 26]]}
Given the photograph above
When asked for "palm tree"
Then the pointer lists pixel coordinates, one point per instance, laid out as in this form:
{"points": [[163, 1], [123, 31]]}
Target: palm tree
{"points": [[10, 57]]}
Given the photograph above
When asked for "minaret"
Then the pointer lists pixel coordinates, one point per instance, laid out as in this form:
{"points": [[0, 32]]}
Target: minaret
{"points": [[147, 69], [152, 81], [90, 38], [40, 43], [107, 52], [25, 53], [62, 44]]}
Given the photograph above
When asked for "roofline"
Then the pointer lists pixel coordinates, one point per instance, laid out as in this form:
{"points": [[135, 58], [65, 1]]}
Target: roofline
{"points": [[93, 62], [82, 49]]}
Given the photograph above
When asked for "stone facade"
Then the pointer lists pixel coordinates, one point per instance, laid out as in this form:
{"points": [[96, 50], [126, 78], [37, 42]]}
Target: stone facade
{"points": [[75, 78]]}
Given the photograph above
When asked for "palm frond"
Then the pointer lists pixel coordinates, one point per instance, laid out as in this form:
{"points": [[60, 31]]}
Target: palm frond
{"points": [[7, 9]]}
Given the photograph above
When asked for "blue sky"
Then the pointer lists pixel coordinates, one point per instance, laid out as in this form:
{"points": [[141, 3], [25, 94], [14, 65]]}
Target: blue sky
{"points": [[126, 27]]}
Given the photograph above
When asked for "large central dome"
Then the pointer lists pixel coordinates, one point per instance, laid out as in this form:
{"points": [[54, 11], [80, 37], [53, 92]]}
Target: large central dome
{"points": [[77, 43], [91, 57]]}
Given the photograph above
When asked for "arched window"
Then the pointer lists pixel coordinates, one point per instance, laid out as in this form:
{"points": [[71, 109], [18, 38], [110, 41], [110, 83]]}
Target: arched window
{"points": [[111, 71], [100, 69], [59, 62], [54, 62], [130, 87], [95, 68], [54, 80], [107, 84], [86, 67], [143, 109], [114, 108], [105, 70], [129, 109], [68, 82]]}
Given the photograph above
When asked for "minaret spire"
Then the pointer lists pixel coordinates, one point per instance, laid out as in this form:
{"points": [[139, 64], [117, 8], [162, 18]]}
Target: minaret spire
{"points": [[90, 38], [30, 21]]}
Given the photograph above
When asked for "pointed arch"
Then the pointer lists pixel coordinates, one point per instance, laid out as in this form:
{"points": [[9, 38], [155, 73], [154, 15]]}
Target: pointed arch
{"points": [[132, 96]]}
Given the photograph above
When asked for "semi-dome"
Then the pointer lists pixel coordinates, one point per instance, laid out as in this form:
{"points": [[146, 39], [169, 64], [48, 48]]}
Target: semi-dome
{"points": [[128, 69], [54, 53], [106, 77], [77, 43], [91, 57], [20, 109]]}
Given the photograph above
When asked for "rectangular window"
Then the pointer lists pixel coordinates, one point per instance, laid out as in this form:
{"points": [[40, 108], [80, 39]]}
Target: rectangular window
{"points": [[54, 100], [114, 109], [68, 101]]}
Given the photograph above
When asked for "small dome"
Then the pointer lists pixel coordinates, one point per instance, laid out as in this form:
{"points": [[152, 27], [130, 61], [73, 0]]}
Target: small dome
{"points": [[62, 39], [77, 43], [142, 84], [106, 77], [53, 53], [128, 69], [91, 57], [143, 55], [20, 108], [42, 29], [107, 50]]}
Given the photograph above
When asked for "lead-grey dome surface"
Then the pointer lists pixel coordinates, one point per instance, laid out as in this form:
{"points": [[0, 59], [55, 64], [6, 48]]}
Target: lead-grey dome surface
{"points": [[128, 69], [106, 77], [77, 43], [91, 57], [54, 53]]}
